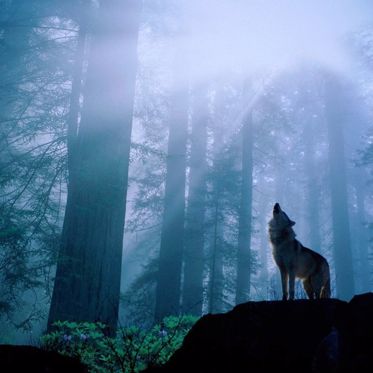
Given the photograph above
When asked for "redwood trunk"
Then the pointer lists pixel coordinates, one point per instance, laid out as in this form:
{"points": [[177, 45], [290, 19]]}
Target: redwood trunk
{"points": [[195, 218], [336, 119], [244, 229], [87, 284]]}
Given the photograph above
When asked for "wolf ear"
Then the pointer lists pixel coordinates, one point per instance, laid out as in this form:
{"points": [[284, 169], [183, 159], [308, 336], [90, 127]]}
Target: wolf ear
{"points": [[292, 223]]}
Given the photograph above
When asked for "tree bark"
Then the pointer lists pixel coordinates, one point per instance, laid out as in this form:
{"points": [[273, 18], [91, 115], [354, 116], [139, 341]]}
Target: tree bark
{"points": [[87, 284], [244, 229], [264, 207], [76, 91], [336, 117], [216, 275], [195, 216], [362, 236], [172, 236], [312, 187], [215, 304]]}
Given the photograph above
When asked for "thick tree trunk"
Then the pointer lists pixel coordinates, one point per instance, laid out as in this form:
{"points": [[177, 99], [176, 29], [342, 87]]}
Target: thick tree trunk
{"points": [[244, 229], [264, 207], [76, 91], [87, 284], [362, 237], [195, 218], [216, 299], [336, 118], [312, 188], [216, 275], [172, 237]]}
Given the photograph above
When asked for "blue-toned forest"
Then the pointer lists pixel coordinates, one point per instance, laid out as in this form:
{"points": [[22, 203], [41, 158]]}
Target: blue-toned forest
{"points": [[166, 167]]}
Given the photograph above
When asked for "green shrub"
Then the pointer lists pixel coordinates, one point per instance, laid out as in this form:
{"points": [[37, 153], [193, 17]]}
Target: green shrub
{"points": [[132, 350]]}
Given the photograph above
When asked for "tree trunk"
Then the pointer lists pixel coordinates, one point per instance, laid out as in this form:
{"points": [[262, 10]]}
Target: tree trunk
{"points": [[76, 91], [216, 279], [336, 118], [195, 217], [244, 230], [216, 276], [264, 207], [172, 236], [312, 187], [362, 237], [87, 284]]}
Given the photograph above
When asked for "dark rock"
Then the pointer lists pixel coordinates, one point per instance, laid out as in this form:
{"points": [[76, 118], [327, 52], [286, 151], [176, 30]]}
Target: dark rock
{"points": [[325, 335], [34, 360], [356, 328], [349, 347]]}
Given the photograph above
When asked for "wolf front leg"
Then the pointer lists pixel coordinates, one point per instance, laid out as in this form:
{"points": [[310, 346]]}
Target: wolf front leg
{"points": [[284, 283]]}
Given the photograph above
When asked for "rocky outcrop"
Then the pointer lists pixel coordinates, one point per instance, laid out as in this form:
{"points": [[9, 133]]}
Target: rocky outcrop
{"points": [[325, 335], [34, 360]]}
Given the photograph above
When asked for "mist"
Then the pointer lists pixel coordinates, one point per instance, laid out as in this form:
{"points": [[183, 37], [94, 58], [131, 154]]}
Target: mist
{"points": [[256, 36], [145, 144]]}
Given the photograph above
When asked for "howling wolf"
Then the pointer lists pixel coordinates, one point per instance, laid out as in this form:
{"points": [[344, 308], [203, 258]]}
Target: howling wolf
{"points": [[295, 260]]}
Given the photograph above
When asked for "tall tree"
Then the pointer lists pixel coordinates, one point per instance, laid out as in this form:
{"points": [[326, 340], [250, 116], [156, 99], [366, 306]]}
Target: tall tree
{"points": [[310, 120], [361, 232], [218, 181], [264, 207], [168, 291], [337, 117], [244, 230], [87, 284], [76, 86], [312, 187], [216, 276], [195, 216], [32, 149]]}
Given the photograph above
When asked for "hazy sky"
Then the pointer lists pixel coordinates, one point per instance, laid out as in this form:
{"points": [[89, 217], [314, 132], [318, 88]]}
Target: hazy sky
{"points": [[252, 35]]}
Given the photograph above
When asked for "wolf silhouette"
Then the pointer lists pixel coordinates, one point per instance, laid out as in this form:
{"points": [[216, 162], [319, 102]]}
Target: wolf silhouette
{"points": [[296, 261]]}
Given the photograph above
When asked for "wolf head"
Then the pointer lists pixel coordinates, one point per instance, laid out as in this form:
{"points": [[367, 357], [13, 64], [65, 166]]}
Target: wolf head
{"points": [[280, 220]]}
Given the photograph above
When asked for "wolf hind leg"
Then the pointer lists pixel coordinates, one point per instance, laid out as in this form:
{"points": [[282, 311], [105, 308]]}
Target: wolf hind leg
{"points": [[308, 288], [325, 291], [316, 283]]}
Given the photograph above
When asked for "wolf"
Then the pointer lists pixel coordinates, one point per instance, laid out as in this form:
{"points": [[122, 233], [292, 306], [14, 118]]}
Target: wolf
{"points": [[295, 260]]}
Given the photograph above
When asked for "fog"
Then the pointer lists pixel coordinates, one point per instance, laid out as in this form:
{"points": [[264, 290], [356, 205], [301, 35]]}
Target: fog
{"points": [[144, 145], [278, 51], [255, 36]]}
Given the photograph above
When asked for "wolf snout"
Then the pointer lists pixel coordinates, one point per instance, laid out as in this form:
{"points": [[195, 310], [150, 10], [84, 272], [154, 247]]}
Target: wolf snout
{"points": [[276, 208]]}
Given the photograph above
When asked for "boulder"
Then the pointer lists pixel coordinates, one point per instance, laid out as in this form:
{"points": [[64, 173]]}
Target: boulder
{"points": [[31, 359], [326, 335]]}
